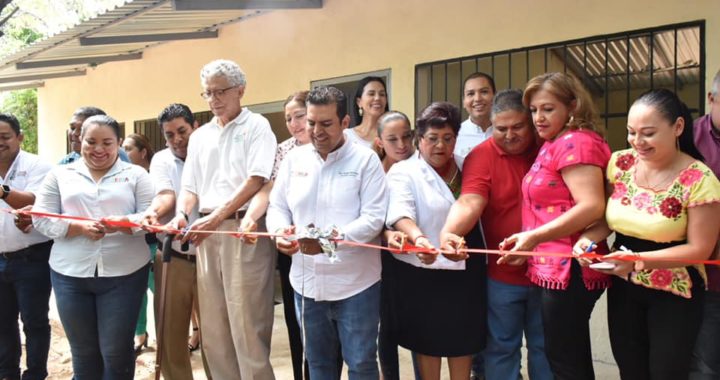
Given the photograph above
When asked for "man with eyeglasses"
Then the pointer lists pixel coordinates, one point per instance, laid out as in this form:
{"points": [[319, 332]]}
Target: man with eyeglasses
{"points": [[228, 161]]}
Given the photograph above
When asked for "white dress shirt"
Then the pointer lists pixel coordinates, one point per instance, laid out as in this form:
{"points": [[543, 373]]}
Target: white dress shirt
{"points": [[416, 191], [346, 190], [352, 136], [26, 173], [470, 136], [166, 172], [126, 189], [220, 159]]}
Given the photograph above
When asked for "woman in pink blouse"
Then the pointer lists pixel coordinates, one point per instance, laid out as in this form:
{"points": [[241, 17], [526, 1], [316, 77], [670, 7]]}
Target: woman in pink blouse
{"points": [[562, 195]]}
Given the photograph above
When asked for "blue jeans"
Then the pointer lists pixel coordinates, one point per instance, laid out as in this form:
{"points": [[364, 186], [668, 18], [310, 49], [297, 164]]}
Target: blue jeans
{"points": [[351, 324], [99, 316], [25, 290], [706, 356], [513, 309]]}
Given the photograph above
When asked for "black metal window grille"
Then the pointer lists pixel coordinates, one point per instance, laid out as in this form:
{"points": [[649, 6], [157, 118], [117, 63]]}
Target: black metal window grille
{"points": [[615, 68]]}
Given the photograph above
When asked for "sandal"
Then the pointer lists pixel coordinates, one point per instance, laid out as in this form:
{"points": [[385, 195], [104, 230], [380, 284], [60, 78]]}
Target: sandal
{"points": [[194, 347]]}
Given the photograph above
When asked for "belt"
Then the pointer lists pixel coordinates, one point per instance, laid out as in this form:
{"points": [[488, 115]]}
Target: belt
{"points": [[25, 253], [237, 215], [179, 255]]}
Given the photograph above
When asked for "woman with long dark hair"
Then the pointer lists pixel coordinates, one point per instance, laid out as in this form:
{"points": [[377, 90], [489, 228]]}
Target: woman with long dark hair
{"points": [[664, 207]]}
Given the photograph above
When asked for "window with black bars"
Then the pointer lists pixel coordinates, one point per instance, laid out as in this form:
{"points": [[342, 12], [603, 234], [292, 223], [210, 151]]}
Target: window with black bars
{"points": [[615, 69]]}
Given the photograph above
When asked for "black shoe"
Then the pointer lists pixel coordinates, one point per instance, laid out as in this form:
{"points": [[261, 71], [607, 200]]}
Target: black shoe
{"points": [[139, 347]]}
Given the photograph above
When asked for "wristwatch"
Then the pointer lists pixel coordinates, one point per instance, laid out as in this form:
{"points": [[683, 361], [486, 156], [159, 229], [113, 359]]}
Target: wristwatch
{"points": [[6, 191]]}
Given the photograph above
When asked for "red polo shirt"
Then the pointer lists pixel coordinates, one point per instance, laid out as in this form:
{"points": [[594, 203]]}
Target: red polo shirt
{"points": [[497, 176]]}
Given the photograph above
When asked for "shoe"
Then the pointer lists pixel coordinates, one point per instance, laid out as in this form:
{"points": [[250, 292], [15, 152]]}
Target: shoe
{"points": [[194, 347], [139, 347]]}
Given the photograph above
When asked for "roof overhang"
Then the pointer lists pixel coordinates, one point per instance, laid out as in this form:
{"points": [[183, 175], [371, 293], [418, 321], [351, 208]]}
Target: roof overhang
{"points": [[125, 32]]}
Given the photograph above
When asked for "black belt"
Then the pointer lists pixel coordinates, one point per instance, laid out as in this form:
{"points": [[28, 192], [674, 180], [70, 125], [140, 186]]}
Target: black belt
{"points": [[35, 252], [237, 215], [178, 254]]}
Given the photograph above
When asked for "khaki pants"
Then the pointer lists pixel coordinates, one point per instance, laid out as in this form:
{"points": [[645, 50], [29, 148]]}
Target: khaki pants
{"points": [[180, 299], [235, 290]]}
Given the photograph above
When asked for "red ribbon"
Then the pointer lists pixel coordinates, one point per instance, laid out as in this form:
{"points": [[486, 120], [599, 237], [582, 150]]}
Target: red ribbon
{"points": [[407, 248]]}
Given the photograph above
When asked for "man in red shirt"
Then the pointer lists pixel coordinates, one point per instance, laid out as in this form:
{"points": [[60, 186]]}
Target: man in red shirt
{"points": [[491, 192]]}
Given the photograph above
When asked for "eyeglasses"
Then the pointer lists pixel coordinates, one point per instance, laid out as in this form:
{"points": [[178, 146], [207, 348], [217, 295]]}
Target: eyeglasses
{"points": [[215, 93], [434, 140]]}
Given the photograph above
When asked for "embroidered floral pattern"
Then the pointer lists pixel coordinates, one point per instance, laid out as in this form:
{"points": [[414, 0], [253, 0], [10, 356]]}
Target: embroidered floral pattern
{"points": [[625, 161], [619, 190], [641, 201], [671, 203], [671, 207], [676, 280], [690, 176]]}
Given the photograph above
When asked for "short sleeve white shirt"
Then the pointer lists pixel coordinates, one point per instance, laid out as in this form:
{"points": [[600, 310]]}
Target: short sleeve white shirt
{"points": [[220, 159], [470, 136], [346, 190], [166, 172], [125, 189], [26, 173]]}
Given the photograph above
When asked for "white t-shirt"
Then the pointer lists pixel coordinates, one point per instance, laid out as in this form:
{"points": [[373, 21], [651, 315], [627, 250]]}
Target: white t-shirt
{"points": [[166, 172], [470, 136]]}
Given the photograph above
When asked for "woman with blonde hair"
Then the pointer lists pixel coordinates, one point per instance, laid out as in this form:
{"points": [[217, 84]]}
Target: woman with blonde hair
{"points": [[562, 195]]}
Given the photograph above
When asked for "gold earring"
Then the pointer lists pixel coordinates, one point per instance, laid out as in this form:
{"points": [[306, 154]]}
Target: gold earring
{"points": [[360, 111], [572, 118]]}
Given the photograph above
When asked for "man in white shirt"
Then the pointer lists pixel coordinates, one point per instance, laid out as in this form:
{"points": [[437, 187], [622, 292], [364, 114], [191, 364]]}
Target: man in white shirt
{"points": [[337, 299], [24, 270], [229, 159], [478, 93], [177, 123]]}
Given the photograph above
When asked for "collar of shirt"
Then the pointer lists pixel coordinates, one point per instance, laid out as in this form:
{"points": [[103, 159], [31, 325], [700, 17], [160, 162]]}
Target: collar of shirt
{"points": [[81, 168], [470, 128], [239, 119], [335, 155]]}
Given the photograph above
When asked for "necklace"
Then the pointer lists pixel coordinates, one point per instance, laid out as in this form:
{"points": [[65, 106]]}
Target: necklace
{"points": [[659, 185], [454, 183]]}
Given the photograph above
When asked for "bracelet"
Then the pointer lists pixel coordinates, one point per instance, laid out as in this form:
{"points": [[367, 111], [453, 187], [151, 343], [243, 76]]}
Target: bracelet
{"points": [[185, 215]]}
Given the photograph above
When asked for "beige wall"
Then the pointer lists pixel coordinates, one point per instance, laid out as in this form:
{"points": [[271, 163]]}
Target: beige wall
{"points": [[283, 51]]}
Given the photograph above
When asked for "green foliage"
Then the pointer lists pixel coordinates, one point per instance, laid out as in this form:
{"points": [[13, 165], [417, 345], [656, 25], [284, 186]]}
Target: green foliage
{"points": [[23, 104], [25, 35]]}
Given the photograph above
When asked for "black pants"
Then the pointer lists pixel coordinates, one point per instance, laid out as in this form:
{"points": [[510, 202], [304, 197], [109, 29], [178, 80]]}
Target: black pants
{"points": [[387, 341], [25, 291], [566, 323], [293, 327], [706, 357], [653, 332]]}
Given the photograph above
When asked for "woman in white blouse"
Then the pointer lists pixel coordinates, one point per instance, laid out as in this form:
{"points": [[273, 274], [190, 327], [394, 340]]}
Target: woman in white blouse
{"points": [[437, 304], [98, 272]]}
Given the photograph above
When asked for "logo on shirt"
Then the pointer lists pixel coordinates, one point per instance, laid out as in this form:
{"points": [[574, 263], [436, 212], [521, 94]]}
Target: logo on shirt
{"points": [[121, 179], [296, 173], [349, 173]]}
